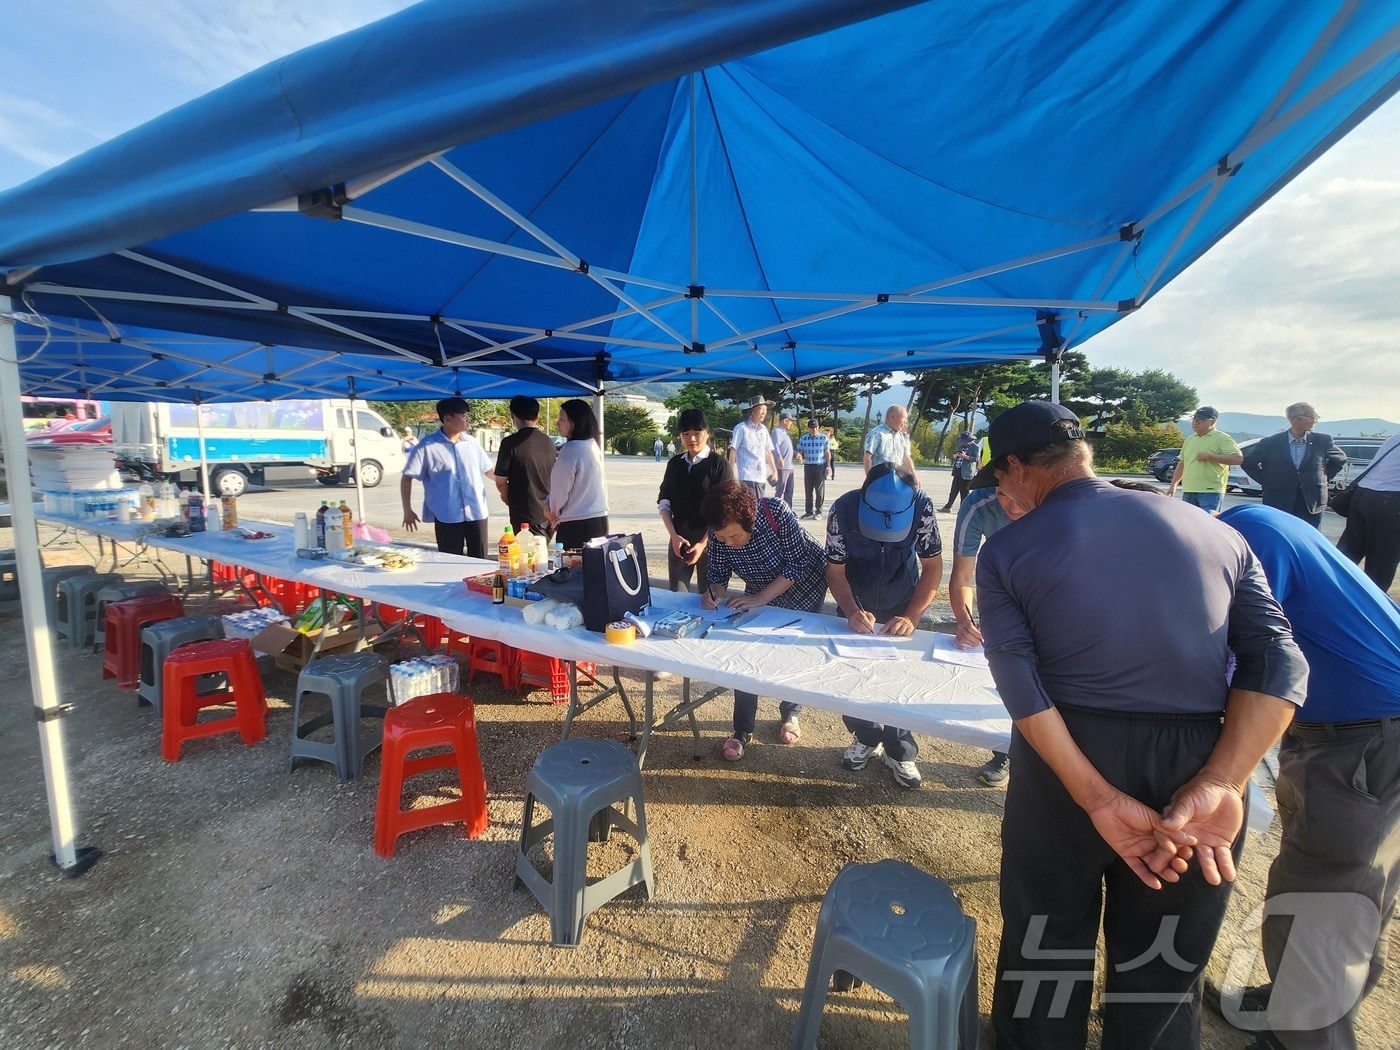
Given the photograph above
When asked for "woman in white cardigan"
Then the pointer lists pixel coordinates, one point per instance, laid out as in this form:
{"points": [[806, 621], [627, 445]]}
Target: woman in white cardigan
{"points": [[577, 507]]}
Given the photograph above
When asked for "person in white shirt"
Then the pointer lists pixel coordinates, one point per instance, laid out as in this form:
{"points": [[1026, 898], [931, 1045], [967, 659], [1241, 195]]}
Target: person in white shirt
{"points": [[889, 443], [751, 447], [577, 507]]}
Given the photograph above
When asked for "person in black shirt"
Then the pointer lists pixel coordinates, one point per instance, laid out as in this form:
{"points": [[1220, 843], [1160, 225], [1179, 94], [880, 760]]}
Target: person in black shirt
{"points": [[688, 477], [523, 463]]}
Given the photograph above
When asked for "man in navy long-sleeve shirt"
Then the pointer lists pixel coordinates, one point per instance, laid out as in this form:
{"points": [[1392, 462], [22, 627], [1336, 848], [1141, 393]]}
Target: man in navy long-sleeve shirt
{"points": [[1116, 681]]}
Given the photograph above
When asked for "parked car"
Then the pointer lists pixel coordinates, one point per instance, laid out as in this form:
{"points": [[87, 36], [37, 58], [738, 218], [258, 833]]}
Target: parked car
{"points": [[1360, 451], [82, 432], [1162, 462]]}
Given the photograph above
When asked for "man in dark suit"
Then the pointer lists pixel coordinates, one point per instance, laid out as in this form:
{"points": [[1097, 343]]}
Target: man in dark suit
{"points": [[1294, 465]]}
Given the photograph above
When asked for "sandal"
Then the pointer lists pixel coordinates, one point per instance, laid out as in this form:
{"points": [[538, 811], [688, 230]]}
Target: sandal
{"points": [[733, 749], [789, 732]]}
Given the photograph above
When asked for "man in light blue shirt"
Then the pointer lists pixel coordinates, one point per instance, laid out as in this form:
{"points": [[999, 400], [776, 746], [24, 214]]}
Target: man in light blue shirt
{"points": [[452, 467], [888, 443]]}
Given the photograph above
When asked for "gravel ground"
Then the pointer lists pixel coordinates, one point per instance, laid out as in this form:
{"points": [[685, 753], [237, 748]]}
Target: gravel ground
{"points": [[238, 904]]}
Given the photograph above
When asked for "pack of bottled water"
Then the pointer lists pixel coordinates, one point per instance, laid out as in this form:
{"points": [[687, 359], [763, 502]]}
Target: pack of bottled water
{"points": [[247, 623], [423, 676]]}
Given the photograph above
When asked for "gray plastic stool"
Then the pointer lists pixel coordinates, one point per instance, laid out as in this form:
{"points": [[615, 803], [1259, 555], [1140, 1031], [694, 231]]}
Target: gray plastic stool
{"points": [[115, 593], [579, 780], [77, 610], [159, 640], [342, 679], [9, 578], [53, 591], [904, 932]]}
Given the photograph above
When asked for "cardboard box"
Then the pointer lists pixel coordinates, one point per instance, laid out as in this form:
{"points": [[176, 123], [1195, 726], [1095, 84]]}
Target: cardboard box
{"points": [[294, 650]]}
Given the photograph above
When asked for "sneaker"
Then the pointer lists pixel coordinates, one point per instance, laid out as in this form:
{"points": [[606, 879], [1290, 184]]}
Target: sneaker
{"points": [[906, 774], [858, 754], [996, 772]]}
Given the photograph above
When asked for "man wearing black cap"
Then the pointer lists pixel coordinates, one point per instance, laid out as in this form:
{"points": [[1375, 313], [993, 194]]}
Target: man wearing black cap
{"points": [[1203, 468], [688, 477], [884, 559], [1132, 752]]}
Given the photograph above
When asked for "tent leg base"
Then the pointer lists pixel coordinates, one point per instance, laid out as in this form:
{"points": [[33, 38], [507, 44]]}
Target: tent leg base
{"points": [[87, 857]]}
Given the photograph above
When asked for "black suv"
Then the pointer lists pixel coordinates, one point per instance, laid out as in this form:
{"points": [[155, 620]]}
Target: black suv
{"points": [[1162, 462]]}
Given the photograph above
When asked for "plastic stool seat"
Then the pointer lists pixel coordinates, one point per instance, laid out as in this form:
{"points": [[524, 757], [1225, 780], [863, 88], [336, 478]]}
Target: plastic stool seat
{"points": [[115, 593], [77, 606], [435, 720], [159, 640], [902, 931], [53, 591], [491, 657], [121, 657], [580, 780], [548, 672], [182, 700], [343, 681]]}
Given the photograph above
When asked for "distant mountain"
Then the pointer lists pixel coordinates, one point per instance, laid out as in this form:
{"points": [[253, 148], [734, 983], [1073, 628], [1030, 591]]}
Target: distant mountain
{"points": [[1241, 425]]}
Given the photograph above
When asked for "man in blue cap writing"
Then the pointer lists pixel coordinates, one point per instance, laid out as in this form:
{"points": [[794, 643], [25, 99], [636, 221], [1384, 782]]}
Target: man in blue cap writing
{"points": [[884, 559]]}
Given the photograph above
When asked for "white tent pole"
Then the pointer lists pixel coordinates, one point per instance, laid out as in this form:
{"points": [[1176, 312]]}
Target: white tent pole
{"points": [[355, 454], [38, 638], [203, 456], [1055, 382], [602, 432]]}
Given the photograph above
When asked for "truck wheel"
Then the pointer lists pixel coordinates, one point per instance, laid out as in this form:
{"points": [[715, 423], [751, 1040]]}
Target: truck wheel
{"points": [[229, 482], [328, 479], [371, 473]]}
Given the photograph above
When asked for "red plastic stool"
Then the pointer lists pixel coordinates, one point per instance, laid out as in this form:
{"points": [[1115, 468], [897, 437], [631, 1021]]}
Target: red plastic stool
{"points": [[534, 669], [121, 656], [430, 627], [182, 701], [490, 657], [436, 720]]}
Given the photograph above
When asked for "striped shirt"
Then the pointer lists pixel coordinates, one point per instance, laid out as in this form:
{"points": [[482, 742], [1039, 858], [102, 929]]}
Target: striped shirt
{"points": [[778, 546]]}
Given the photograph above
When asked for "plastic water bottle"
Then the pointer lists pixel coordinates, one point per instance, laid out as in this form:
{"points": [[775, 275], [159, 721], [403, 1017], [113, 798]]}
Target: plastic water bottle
{"points": [[214, 515], [557, 562], [147, 496]]}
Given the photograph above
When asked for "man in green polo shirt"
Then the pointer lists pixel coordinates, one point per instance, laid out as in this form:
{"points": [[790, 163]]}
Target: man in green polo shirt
{"points": [[1203, 468]]}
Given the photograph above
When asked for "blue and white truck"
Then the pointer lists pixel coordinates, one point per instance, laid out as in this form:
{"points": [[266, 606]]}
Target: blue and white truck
{"points": [[255, 442]]}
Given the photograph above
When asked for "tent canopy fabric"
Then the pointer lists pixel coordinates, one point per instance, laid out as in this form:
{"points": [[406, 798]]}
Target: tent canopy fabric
{"points": [[577, 197]]}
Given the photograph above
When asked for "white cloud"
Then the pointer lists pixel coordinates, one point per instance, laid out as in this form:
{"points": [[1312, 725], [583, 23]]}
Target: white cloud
{"points": [[1300, 302]]}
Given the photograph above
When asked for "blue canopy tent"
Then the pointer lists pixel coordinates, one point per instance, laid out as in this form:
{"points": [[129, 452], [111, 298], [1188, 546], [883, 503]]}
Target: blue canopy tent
{"points": [[778, 189]]}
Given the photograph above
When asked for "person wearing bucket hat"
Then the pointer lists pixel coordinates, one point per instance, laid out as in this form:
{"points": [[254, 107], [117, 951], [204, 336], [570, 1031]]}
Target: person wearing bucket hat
{"points": [[884, 559], [751, 446], [1132, 755]]}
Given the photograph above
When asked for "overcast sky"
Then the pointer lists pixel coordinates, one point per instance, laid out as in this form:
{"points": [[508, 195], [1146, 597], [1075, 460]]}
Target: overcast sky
{"points": [[1302, 302]]}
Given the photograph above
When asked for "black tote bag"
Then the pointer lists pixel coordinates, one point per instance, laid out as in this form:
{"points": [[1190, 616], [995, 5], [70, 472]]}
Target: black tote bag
{"points": [[615, 580]]}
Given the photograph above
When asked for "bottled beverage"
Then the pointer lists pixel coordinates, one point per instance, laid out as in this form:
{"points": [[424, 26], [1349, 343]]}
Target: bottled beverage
{"points": [[503, 550], [525, 542], [147, 496], [230, 505], [345, 522], [321, 524], [557, 562], [301, 529], [183, 503], [194, 510], [541, 552], [335, 530], [498, 589]]}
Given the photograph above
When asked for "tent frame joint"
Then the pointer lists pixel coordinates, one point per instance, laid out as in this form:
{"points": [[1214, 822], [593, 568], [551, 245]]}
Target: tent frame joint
{"points": [[86, 857], [325, 203], [49, 714]]}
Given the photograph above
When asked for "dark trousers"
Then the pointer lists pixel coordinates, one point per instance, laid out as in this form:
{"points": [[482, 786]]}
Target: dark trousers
{"points": [[574, 534], [1372, 536], [679, 573], [1339, 804], [786, 478], [1057, 875], [1300, 510], [959, 490], [899, 743], [814, 482], [461, 537]]}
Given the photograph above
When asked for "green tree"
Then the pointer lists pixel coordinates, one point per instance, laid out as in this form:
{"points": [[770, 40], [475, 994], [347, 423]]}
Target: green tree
{"points": [[628, 428], [400, 414]]}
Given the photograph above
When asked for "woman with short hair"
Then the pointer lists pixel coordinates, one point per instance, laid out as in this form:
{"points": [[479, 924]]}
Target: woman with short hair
{"points": [[577, 507], [761, 542]]}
